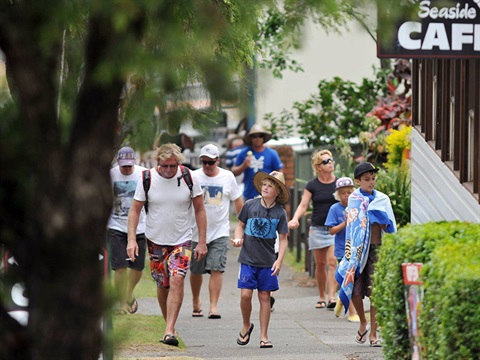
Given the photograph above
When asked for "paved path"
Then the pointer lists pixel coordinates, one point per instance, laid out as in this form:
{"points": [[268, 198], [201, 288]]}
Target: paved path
{"points": [[297, 330]]}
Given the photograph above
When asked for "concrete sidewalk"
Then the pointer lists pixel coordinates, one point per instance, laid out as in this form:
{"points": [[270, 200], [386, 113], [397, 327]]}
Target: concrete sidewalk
{"points": [[297, 330]]}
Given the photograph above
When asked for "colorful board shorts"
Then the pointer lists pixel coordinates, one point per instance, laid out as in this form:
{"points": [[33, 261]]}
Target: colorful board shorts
{"points": [[167, 261]]}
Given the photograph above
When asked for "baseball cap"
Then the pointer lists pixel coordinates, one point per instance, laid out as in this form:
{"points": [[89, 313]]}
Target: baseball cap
{"points": [[363, 168], [126, 156], [210, 151], [344, 182]]}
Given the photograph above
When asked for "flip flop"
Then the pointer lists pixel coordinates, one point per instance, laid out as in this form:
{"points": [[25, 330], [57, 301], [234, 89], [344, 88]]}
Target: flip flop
{"points": [[320, 305], [362, 338], [266, 344], [133, 306], [247, 335], [169, 339], [331, 304], [197, 313], [376, 343], [214, 316]]}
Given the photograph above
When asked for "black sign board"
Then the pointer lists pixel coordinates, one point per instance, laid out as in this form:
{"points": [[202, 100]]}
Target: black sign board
{"points": [[435, 29]]}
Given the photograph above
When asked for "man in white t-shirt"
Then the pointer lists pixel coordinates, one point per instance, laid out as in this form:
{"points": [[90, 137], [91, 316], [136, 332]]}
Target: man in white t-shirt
{"points": [[219, 188], [173, 209], [127, 274]]}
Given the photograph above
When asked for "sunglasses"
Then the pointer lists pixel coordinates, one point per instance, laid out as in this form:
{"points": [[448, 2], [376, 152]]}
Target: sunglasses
{"points": [[165, 166], [344, 183], [326, 161], [207, 162], [256, 136]]}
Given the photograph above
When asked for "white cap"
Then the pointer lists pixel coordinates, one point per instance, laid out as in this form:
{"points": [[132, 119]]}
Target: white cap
{"points": [[210, 151]]}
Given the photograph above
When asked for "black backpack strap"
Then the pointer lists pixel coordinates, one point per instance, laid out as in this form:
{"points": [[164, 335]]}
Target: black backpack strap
{"points": [[146, 179], [187, 177]]}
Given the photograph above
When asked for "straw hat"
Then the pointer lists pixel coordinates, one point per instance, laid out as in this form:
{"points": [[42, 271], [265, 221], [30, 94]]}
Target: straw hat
{"points": [[257, 129], [276, 177]]}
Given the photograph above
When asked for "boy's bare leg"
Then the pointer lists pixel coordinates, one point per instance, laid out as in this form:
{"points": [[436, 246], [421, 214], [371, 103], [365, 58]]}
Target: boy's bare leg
{"points": [[373, 323], [246, 308], [264, 299], [357, 301]]}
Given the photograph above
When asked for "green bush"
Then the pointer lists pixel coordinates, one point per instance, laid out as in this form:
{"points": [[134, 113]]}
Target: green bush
{"points": [[449, 319], [412, 243], [395, 182]]}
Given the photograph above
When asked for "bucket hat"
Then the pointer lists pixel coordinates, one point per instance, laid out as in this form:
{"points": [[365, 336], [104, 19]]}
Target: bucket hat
{"points": [[276, 177], [257, 129]]}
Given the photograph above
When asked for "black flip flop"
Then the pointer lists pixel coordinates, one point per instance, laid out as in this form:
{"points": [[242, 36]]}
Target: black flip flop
{"points": [[214, 316], [266, 344], [245, 342], [197, 313], [169, 339]]}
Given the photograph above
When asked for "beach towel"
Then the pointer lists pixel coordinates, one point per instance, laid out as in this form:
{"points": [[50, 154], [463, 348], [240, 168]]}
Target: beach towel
{"points": [[363, 210]]}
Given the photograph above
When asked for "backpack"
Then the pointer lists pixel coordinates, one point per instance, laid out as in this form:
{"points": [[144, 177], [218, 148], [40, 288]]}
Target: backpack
{"points": [[186, 176]]}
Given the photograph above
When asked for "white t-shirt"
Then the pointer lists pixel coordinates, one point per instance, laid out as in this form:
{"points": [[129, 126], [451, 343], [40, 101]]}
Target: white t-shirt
{"points": [[217, 193], [123, 189], [171, 214]]}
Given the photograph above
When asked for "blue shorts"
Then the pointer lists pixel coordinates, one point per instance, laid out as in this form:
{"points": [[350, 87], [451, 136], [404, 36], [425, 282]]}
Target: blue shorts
{"points": [[319, 237], [257, 278]]}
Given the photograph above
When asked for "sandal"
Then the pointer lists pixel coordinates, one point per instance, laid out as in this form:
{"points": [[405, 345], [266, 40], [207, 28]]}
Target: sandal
{"points": [[362, 338], [320, 305], [245, 339], [331, 304], [197, 313], [132, 306], [169, 339], [376, 343], [266, 344]]}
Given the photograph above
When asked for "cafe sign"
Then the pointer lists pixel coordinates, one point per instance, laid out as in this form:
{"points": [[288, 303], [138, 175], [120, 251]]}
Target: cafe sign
{"points": [[437, 29]]}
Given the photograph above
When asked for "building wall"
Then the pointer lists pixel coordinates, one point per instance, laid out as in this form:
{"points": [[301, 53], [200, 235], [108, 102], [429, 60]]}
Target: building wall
{"points": [[436, 192], [350, 56]]}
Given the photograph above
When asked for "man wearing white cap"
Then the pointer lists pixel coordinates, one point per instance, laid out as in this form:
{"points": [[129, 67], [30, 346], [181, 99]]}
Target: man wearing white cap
{"points": [[219, 188], [124, 179]]}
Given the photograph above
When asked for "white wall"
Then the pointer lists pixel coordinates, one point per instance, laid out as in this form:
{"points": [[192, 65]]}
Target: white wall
{"points": [[350, 56], [436, 193]]}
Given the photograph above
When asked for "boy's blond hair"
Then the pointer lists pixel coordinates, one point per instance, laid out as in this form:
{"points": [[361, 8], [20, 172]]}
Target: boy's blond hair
{"points": [[274, 184], [336, 195]]}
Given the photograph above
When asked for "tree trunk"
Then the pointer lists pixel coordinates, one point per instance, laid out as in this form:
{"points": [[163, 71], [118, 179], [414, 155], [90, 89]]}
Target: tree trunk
{"points": [[57, 187]]}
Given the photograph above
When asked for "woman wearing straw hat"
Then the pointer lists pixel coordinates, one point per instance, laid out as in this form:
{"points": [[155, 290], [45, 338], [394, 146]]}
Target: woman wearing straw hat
{"points": [[258, 223]]}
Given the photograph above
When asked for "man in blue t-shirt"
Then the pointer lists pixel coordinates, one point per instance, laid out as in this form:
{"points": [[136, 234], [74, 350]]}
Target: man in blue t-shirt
{"points": [[254, 158]]}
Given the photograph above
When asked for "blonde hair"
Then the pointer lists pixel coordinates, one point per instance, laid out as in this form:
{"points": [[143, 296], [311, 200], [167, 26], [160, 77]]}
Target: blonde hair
{"points": [[336, 195], [317, 158], [166, 151], [274, 184]]}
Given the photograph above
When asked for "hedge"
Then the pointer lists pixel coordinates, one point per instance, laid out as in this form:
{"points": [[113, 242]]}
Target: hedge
{"points": [[431, 244]]}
